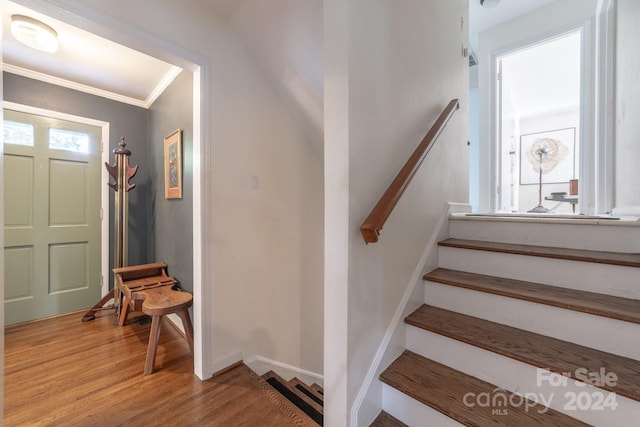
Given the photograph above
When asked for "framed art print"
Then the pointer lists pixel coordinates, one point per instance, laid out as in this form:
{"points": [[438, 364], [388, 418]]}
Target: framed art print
{"points": [[173, 165], [553, 151]]}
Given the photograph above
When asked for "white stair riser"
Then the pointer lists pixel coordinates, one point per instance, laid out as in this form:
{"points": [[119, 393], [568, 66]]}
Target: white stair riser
{"points": [[606, 237], [412, 412], [601, 333], [601, 278], [515, 376]]}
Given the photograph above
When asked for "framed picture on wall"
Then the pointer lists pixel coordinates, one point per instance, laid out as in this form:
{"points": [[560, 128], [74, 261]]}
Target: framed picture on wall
{"points": [[173, 165], [553, 151]]}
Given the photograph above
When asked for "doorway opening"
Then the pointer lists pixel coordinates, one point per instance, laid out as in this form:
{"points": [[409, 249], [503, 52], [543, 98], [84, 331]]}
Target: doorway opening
{"points": [[538, 95], [133, 37]]}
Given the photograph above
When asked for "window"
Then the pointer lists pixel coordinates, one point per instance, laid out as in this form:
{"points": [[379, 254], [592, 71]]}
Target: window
{"points": [[17, 133], [60, 139]]}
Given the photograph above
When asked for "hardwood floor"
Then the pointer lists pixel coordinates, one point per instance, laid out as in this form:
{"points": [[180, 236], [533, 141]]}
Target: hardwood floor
{"points": [[64, 372]]}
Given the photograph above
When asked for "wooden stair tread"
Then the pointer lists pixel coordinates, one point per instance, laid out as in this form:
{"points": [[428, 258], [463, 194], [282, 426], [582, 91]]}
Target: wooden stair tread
{"points": [[306, 389], [318, 389], [306, 399], [385, 420], [538, 350], [587, 302], [444, 389], [295, 414], [602, 257]]}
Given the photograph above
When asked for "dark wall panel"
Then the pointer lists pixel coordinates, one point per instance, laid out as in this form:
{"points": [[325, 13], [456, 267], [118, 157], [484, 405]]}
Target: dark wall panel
{"points": [[171, 226]]}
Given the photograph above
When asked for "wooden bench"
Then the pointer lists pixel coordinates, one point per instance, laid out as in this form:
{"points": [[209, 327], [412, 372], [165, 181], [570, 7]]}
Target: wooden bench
{"points": [[149, 289]]}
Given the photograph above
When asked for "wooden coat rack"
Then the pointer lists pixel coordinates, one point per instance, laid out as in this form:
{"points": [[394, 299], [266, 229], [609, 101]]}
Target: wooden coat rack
{"points": [[121, 172]]}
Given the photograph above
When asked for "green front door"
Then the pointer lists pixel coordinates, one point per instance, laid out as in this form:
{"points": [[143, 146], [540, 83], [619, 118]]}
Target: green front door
{"points": [[52, 216]]}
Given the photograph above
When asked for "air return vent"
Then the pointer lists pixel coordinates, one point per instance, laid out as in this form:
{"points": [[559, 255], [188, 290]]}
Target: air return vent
{"points": [[472, 59]]}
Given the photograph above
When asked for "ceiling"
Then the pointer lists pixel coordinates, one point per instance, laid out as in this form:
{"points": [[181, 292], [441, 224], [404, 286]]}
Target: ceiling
{"points": [[86, 62], [482, 18], [92, 64]]}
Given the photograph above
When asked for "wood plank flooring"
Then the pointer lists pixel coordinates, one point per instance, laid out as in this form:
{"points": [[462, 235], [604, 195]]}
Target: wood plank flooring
{"points": [[63, 372]]}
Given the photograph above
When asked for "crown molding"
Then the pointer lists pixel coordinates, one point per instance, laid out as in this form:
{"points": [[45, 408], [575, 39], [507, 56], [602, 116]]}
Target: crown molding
{"points": [[146, 103]]}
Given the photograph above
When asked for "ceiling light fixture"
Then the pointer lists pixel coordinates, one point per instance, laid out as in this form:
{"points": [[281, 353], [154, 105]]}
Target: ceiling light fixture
{"points": [[34, 33], [488, 3]]}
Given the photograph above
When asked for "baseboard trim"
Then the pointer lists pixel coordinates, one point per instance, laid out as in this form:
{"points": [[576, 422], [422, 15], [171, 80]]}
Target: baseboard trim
{"points": [[225, 362], [261, 365], [227, 369], [176, 322], [219, 366]]}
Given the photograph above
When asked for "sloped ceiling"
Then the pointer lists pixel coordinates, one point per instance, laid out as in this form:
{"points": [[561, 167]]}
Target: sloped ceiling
{"points": [[284, 37]]}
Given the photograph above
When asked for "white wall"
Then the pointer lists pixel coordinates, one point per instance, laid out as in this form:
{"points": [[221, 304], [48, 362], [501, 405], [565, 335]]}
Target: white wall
{"points": [[265, 207], [285, 39], [550, 20], [401, 65], [627, 151]]}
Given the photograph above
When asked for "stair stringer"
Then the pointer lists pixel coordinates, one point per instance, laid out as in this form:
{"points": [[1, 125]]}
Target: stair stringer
{"points": [[369, 400]]}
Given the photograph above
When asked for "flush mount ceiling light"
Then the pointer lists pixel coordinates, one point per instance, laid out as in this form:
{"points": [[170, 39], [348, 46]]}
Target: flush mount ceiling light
{"points": [[34, 33], [488, 3]]}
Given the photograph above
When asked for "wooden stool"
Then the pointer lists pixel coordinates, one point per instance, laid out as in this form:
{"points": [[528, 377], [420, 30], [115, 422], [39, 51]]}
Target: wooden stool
{"points": [[149, 289], [157, 303]]}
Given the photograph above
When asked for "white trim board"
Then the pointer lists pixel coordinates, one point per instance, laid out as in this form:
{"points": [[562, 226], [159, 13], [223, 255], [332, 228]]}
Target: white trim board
{"points": [[146, 103]]}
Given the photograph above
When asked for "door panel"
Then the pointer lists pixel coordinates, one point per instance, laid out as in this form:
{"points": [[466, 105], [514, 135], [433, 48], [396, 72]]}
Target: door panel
{"points": [[52, 218], [18, 273], [67, 193], [19, 195], [69, 267]]}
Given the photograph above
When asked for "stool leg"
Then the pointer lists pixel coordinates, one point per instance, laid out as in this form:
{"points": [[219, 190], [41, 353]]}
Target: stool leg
{"points": [[188, 327], [124, 311], [154, 334]]}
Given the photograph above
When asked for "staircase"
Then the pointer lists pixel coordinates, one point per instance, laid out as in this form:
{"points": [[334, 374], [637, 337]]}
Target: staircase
{"points": [[525, 323], [309, 399]]}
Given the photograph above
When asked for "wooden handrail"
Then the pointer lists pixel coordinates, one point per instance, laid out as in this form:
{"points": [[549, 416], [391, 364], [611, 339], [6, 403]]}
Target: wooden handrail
{"points": [[372, 226]]}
